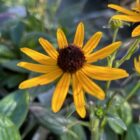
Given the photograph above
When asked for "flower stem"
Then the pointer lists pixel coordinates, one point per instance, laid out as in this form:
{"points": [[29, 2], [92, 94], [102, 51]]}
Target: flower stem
{"points": [[94, 124], [95, 129], [129, 53], [113, 56], [133, 91], [115, 34]]}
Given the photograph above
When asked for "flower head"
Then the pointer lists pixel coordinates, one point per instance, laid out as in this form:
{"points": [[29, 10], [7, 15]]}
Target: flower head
{"points": [[128, 15], [74, 64], [137, 64]]}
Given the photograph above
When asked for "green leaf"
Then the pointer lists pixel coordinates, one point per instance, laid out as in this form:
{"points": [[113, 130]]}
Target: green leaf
{"points": [[5, 52], [108, 134], [15, 106], [17, 32], [133, 132], [125, 113], [78, 131], [31, 39], [122, 109], [55, 123], [8, 130], [12, 65], [116, 124], [13, 80]]}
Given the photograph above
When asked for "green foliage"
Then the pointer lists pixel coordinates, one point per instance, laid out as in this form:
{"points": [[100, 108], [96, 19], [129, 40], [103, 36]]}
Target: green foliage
{"points": [[133, 132], [8, 130], [58, 124], [116, 124], [114, 115], [15, 106]]}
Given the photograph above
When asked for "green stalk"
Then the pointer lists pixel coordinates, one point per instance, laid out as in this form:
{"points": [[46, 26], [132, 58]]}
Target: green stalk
{"points": [[115, 34], [129, 53], [133, 91], [95, 135], [94, 124], [113, 56]]}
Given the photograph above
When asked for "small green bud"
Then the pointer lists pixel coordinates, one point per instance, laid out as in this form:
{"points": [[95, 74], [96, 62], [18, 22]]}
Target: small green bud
{"points": [[115, 24], [99, 112]]}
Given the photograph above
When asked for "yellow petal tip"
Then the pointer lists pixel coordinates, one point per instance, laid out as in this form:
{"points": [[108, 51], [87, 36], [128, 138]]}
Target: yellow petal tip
{"points": [[41, 39], [110, 5], [59, 30], [21, 86], [134, 34], [100, 33], [81, 24], [54, 109], [19, 64], [82, 114], [102, 96], [23, 49]]}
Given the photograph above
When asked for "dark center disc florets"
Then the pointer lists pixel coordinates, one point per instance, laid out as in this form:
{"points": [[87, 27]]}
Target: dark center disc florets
{"points": [[70, 59]]}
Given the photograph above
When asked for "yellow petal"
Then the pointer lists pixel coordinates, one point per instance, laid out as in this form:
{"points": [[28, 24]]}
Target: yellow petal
{"points": [[127, 18], [41, 80], [60, 92], [104, 73], [61, 39], [78, 96], [122, 10], [38, 57], [103, 53], [137, 65], [92, 43], [48, 47], [136, 31], [37, 67], [89, 86], [138, 5], [79, 35]]}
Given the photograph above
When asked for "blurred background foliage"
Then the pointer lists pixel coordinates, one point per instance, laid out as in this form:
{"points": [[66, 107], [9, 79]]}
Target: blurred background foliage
{"points": [[26, 114]]}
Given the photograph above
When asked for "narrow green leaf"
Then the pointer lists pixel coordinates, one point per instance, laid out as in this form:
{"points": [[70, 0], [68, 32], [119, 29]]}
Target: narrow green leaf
{"points": [[133, 132], [116, 124], [15, 106], [17, 32], [12, 65], [5, 52], [55, 123], [108, 134], [8, 130], [78, 131]]}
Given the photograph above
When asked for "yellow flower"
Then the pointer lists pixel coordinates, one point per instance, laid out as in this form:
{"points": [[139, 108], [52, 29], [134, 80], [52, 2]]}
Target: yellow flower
{"points": [[128, 15], [137, 64], [73, 63]]}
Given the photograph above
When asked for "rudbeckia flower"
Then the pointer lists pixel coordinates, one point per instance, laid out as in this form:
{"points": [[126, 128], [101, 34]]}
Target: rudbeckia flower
{"points": [[73, 64], [128, 15], [137, 64]]}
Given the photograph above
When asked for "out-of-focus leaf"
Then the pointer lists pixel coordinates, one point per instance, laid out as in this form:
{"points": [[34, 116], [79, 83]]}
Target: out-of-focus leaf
{"points": [[133, 132], [125, 113], [122, 109], [65, 17], [109, 134], [15, 106], [17, 32], [79, 134], [12, 65], [8, 130], [53, 122], [13, 80], [31, 39], [5, 52], [32, 23], [116, 124]]}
